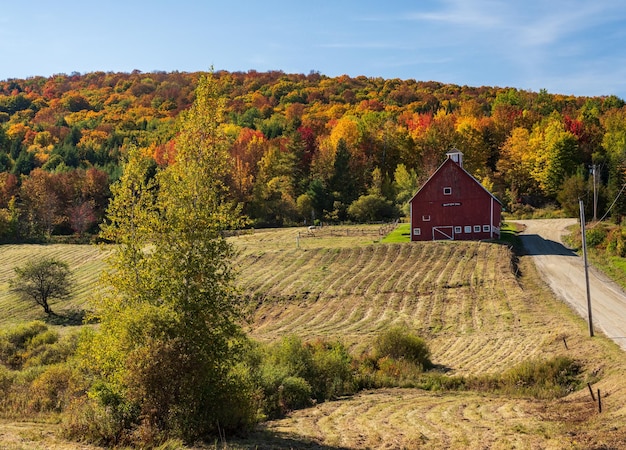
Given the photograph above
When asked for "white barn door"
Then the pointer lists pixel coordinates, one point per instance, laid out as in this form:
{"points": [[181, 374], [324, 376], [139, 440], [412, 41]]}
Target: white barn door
{"points": [[443, 233]]}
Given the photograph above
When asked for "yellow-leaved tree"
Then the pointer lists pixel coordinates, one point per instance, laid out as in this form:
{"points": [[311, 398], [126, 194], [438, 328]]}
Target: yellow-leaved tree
{"points": [[163, 358]]}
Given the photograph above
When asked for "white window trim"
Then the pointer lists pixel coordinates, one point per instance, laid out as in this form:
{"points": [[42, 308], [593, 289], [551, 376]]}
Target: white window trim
{"points": [[467, 229], [426, 218], [417, 231], [486, 228], [447, 190], [458, 230], [476, 228]]}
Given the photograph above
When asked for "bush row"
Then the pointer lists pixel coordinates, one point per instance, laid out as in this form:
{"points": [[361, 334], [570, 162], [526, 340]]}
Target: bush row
{"points": [[38, 375]]}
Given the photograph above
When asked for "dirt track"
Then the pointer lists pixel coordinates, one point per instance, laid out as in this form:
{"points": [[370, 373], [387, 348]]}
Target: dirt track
{"points": [[564, 272]]}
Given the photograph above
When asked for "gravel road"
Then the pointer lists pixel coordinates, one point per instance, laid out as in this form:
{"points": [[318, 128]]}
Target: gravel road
{"points": [[564, 272]]}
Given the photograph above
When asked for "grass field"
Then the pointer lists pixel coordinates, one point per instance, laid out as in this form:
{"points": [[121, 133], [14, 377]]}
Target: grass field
{"points": [[401, 233], [462, 297], [86, 263], [476, 315]]}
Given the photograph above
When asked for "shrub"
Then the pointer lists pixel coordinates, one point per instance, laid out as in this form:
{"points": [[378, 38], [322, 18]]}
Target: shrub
{"points": [[521, 211], [21, 334], [294, 393], [43, 338], [615, 243], [6, 380], [270, 380], [283, 392], [87, 419], [32, 345], [292, 370], [400, 345], [442, 382], [54, 389], [332, 373], [596, 236], [50, 353], [175, 410], [397, 372], [550, 378], [17, 343], [620, 247], [294, 356], [372, 208]]}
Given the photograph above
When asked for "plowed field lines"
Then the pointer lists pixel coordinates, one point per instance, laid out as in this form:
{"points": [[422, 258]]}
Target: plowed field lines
{"points": [[403, 418], [86, 263], [462, 297]]}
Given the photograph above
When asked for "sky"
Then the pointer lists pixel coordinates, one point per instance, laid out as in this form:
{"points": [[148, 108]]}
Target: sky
{"points": [[572, 47]]}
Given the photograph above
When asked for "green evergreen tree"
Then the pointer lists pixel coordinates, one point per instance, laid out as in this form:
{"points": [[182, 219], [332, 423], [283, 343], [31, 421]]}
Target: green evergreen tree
{"points": [[342, 182]]}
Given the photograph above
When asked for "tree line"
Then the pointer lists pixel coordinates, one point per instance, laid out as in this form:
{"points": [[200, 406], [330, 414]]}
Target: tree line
{"points": [[300, 147]]}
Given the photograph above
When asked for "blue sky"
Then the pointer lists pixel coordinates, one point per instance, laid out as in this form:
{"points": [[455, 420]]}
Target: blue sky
{"points": [[568, 47]]}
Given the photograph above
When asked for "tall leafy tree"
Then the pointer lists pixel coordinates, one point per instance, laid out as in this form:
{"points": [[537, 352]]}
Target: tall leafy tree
{"points": [[166, 349], [321, 199], [517, 162], [614, 144], [406, 185], [274, 196], [41, 203], [559, 155], [342, 182]]}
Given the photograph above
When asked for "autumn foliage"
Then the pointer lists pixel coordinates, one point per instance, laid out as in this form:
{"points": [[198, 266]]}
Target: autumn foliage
{"points": [[62, 139]]}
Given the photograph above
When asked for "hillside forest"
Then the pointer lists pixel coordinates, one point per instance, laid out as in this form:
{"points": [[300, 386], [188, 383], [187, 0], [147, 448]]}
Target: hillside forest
{"points": [[303, 148]]}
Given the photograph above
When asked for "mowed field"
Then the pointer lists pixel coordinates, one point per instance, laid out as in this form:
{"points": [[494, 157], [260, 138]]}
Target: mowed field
{"points": [[86, 263], [478, 317], [463, 298]]}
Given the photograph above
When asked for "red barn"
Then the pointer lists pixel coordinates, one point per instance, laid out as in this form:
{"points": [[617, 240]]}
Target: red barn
{"points": [[453, 205]]}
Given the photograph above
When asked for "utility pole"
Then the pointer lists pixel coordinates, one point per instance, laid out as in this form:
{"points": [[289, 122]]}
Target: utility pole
{"points": [[584, 240], [595, 194]]}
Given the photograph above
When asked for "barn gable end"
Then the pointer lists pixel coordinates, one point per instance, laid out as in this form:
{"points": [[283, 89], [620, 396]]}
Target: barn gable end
{"points": [[453, 205]]}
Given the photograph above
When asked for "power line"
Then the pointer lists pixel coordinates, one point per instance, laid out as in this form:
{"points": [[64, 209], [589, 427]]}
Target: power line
{"points": [[612, 204]]}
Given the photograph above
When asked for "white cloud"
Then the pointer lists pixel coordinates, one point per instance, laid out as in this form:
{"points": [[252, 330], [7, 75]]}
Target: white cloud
{"points": [[474, 13]]}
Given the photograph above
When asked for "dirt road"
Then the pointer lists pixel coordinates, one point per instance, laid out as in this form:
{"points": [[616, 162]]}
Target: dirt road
{"points": [[564, 272]]}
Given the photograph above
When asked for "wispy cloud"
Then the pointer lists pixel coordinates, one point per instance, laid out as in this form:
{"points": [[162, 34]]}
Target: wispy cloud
{"points": [[365, 46], [473, 13]]}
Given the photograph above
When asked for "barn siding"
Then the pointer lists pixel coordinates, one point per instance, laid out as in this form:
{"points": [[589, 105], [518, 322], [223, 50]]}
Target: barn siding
{"points": [[468, 204]]}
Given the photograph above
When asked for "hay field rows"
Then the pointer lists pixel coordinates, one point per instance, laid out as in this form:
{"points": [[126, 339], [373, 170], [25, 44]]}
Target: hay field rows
{"points": [[477, 316], [86, 263], [462, 297]]}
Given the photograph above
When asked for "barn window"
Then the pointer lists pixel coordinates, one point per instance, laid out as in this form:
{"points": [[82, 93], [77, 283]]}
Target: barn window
{"points": [[468, 228], [447, 191], [486, 228], [476, 228], [426, 218], [417, 231], [458, 230]]}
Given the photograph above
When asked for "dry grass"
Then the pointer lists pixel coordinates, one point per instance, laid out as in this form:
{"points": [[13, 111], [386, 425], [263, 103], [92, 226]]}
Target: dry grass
{"points": [[462, 297], [35, 436], [86, 263], [475, 314]]}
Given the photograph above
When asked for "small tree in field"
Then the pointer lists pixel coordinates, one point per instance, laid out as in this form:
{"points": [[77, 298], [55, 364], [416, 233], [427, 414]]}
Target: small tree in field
{"points": [[41, 281]]}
